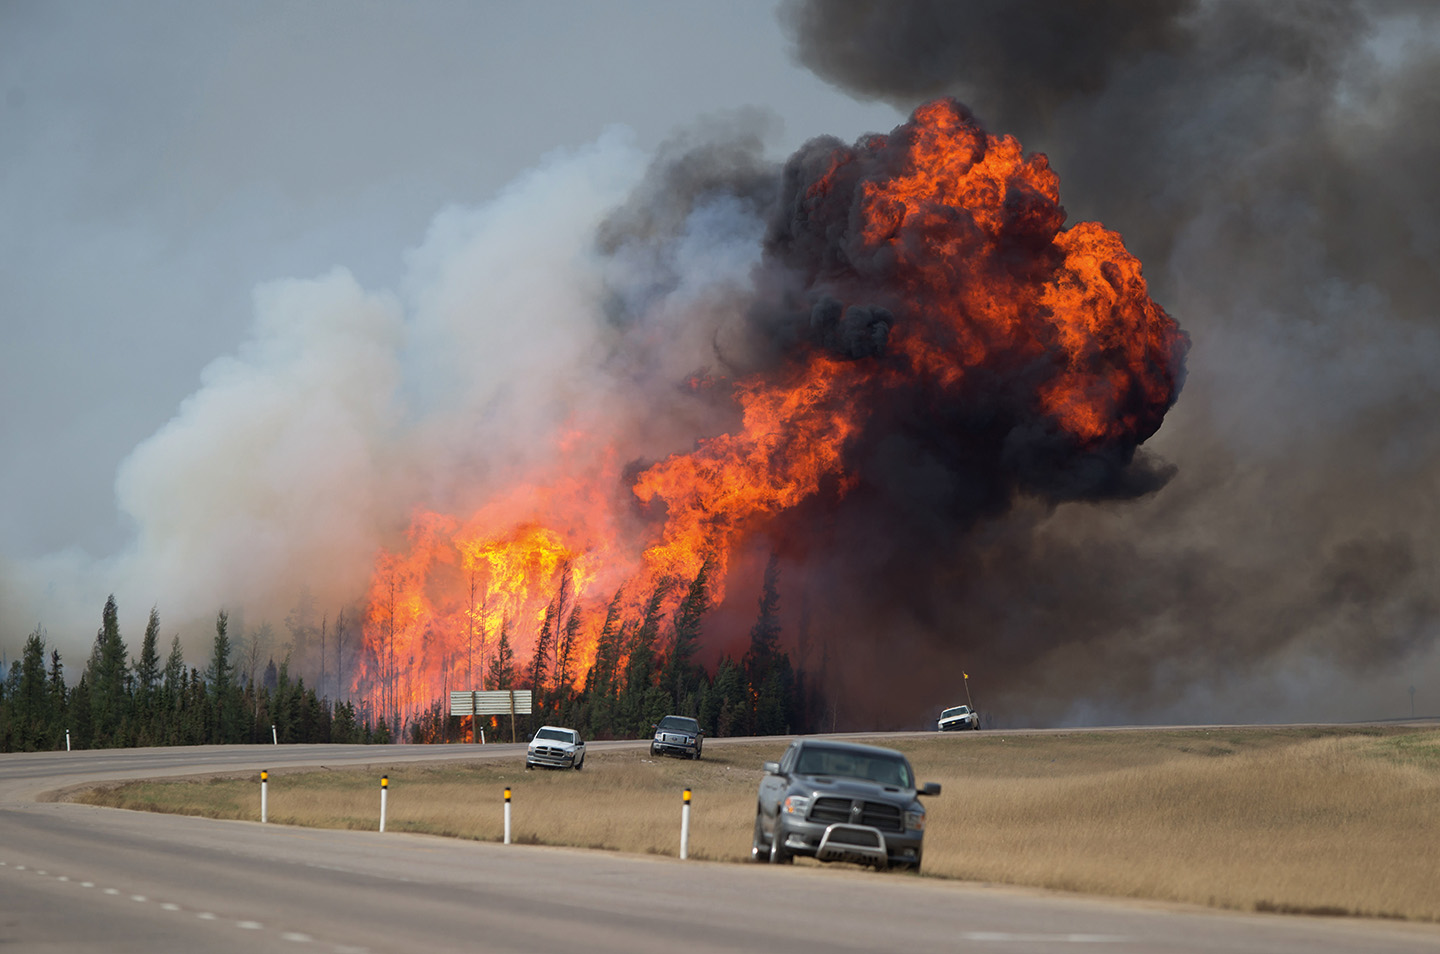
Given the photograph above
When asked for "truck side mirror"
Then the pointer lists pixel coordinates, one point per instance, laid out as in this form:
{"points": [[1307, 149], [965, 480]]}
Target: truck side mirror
{"points": [[772, 768], [929, 788]]}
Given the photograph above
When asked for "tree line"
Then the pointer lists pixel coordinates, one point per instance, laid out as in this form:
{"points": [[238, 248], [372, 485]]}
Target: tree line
{"points": [[644, 668], [121, 702]]}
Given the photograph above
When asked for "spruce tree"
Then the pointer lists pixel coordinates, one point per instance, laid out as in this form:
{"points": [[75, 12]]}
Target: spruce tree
{"points": [[223, 694], [637, 704], [680, 677], [107, 670], [765, 634], [600, 681], [539, 662], [30, 705], [564, 659], [59, 698], [147, 675], [502, 664]]}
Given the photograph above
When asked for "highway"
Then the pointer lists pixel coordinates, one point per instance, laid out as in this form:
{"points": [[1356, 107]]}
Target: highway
{"points": [[77, 878]]}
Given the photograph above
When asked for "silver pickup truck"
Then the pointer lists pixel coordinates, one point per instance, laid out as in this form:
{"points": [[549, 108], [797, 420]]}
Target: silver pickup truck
{"points": [[840, 801]]}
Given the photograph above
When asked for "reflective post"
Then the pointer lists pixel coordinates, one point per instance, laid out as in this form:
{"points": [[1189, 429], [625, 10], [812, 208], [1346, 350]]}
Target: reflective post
{"points": [[507, 815], [384, 791], [264, 796], [685, 826]]}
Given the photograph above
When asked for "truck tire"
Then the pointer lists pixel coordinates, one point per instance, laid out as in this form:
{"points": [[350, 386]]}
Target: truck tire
{"points": [[759, 852], [779, 854]]}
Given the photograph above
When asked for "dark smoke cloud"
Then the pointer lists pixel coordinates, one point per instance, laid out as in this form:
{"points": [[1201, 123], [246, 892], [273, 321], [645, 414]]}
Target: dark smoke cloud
{"points": [[1272, 165], [935, 457]]}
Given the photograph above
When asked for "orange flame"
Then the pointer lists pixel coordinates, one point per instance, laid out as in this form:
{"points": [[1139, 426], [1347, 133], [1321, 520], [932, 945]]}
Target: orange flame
{"points": [[984, 283]]}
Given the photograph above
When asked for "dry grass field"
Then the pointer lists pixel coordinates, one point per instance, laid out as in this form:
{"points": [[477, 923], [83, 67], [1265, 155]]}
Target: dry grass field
{"points": [[1319, 821]]}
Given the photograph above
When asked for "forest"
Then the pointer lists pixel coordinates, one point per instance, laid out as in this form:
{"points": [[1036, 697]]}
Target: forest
{"points": [[644, 668]]}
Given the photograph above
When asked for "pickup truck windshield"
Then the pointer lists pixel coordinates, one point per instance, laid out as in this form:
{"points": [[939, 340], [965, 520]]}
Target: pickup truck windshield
{"points": [[555, 735], [679, 724], [886, 771]]}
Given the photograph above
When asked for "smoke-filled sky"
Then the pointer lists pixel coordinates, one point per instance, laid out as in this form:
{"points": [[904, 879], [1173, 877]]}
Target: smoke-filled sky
{"points": [[272, 276]]}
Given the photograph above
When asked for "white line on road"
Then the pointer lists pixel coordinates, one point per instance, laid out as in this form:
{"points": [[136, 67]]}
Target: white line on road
{"points": [[1006, 937]]}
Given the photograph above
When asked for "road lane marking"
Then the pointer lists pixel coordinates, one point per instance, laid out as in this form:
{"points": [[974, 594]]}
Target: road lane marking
{"points": [[1009, 937], [296, 937]]}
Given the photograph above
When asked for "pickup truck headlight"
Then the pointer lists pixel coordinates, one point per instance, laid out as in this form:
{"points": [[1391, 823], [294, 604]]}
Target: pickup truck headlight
{"points": [[915, 821], [796, 804]]}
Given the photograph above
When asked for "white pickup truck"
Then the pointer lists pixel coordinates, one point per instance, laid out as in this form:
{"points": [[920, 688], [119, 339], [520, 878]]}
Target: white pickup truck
{"points": [[554, 747], [959, 717]]}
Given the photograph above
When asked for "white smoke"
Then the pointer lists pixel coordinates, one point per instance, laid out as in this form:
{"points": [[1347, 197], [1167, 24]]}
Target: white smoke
{"points": [[347, 409], [303, 453]]}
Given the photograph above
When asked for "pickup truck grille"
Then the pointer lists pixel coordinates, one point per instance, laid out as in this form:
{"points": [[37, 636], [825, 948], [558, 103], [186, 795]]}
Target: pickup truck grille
{"points": [[881, 815], [548, 752]]}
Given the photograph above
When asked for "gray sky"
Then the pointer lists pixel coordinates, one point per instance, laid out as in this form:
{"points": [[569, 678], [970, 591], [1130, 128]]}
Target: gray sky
{"points": [[159, 160]]}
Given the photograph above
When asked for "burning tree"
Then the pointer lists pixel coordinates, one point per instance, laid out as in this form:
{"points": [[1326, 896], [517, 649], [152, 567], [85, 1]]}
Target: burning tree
{"points": [[925, 340]]}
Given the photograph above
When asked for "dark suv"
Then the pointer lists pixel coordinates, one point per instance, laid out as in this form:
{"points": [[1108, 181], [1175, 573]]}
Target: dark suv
{"points": [[677, 735], [840, 801]]}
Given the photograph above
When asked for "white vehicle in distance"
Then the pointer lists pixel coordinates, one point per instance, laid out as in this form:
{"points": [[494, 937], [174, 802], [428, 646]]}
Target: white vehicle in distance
{"points": [[554, 747], [959, 717]]}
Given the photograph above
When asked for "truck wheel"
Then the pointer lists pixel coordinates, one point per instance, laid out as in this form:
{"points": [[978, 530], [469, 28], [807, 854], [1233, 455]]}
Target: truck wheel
{"points": [[758, 851], [653, 750], [779, 854], [580, 764]]}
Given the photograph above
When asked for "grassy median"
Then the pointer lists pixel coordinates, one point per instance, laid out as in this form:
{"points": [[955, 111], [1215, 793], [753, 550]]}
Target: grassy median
{"points": [[1316, 821]]}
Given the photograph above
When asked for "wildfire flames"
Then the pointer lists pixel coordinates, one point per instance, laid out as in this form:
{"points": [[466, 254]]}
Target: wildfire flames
{"points": [[919, 290]]}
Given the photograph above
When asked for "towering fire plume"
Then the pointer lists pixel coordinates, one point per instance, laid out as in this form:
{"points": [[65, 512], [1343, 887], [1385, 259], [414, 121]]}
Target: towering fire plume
{"points": [[922, 341]]}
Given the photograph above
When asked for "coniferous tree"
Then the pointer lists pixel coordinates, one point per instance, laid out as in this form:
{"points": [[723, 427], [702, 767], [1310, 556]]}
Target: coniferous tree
{"points": [[223, 694], [539, 662], [502, 664], [767, 668], [9, 686], [147, 676], [641, 697], [82, 713], [59, 698], [109, 665], [30, 699], [564, 658], [680, 677], [172, 694], [729, 700], [601, 680], [765, 634]]}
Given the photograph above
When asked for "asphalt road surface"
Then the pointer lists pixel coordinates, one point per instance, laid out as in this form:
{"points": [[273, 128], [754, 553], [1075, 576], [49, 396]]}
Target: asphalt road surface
{"points": [[79, 878]]}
